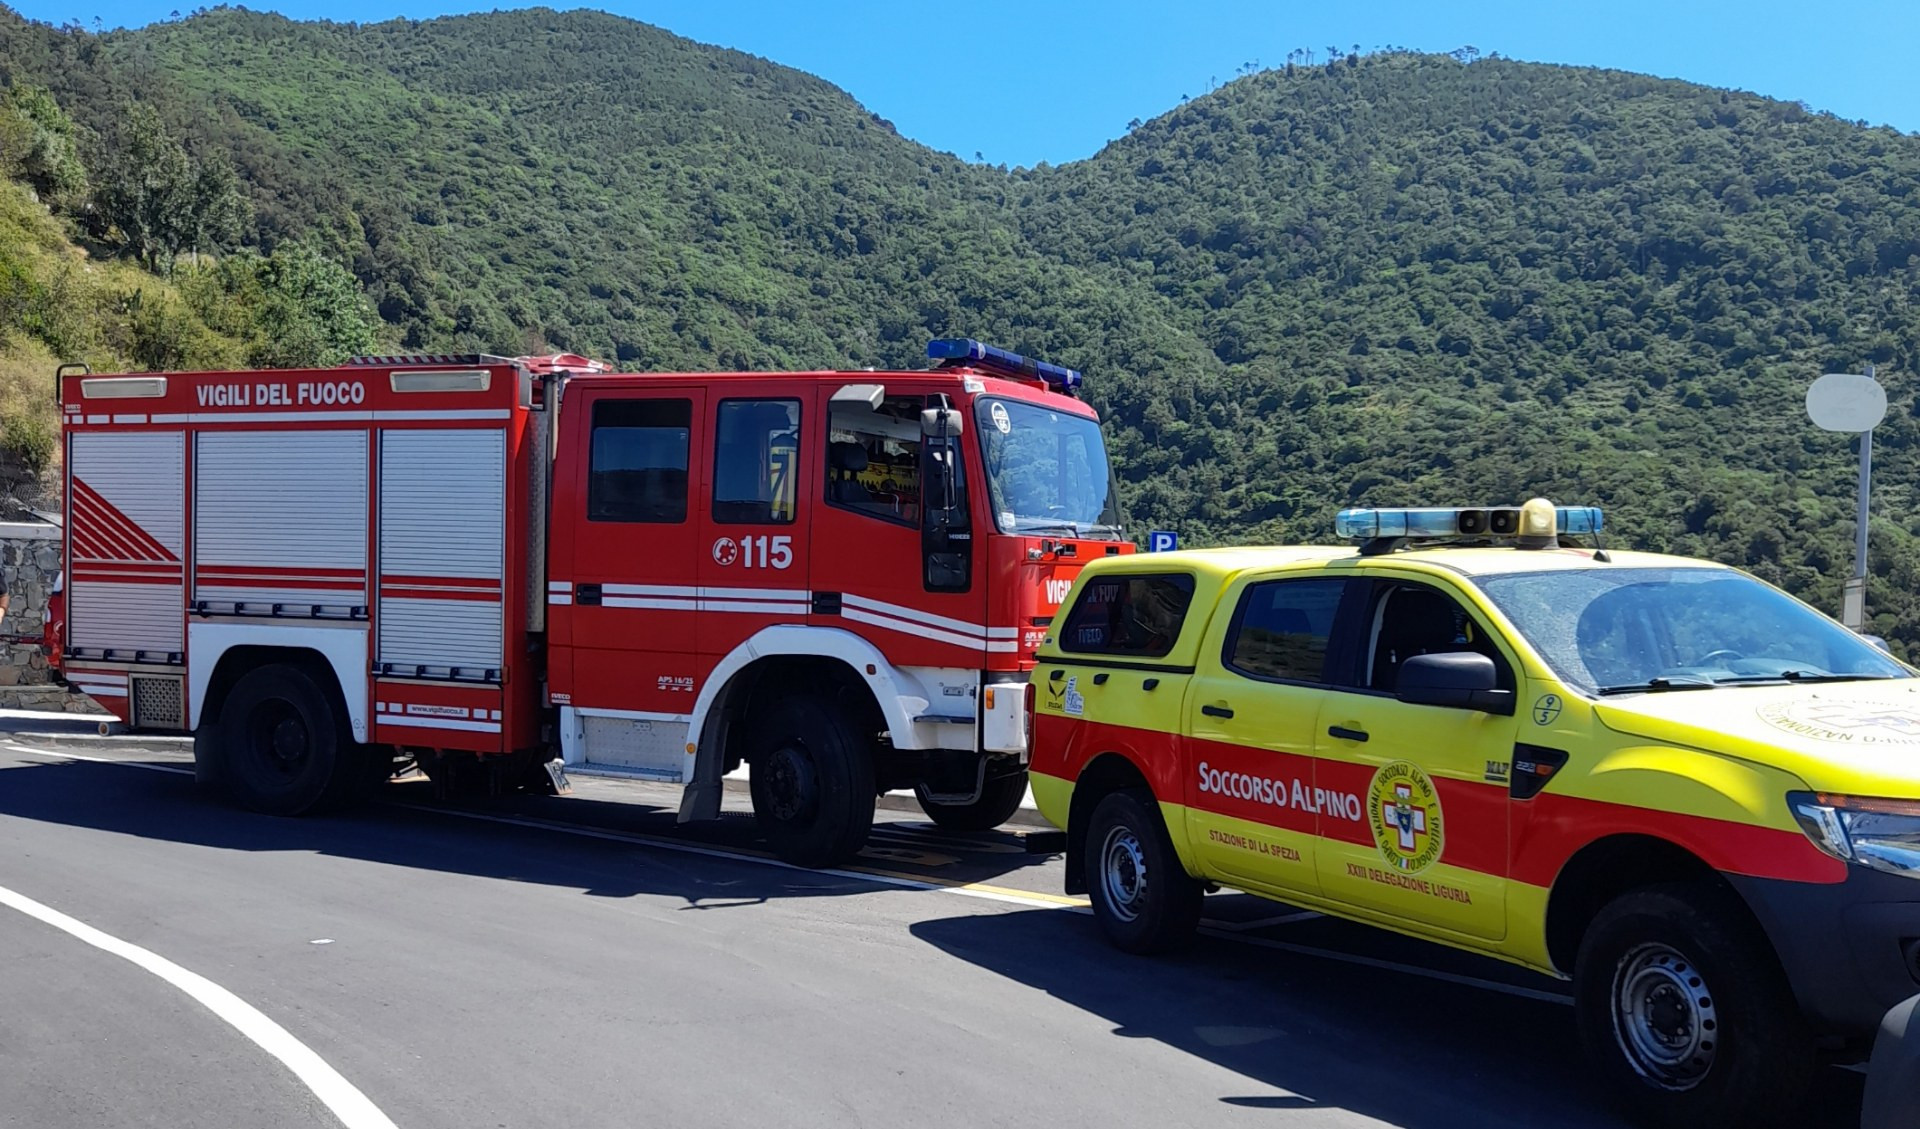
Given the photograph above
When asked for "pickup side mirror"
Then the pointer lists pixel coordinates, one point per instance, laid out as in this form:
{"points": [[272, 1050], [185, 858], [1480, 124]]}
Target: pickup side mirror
{"points": [[1464, 680], [941, 423]]}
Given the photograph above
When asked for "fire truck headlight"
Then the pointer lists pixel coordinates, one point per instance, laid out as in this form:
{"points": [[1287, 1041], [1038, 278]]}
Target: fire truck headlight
{"points": [[1876, 833]]}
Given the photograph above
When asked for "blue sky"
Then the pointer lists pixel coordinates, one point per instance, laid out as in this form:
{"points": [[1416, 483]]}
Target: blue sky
{"points": [[1021, 83]]}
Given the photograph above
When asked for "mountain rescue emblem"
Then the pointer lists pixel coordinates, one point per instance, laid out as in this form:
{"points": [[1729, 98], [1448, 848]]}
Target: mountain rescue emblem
{"points": [[1404, 811]]}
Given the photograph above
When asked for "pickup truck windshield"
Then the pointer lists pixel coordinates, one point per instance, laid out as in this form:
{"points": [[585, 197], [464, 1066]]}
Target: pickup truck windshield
{"points": [[1047, 471], [1626, 630]]}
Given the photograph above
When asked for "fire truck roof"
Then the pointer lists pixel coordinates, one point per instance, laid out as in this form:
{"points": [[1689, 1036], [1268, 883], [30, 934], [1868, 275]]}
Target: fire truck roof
{"points": [[948, 352]]}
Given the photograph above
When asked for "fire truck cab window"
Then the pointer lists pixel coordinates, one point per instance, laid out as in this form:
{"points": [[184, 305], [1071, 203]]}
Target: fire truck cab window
{"points": [[637, 470], [756, 450], [873, 458], [1129, 615]]}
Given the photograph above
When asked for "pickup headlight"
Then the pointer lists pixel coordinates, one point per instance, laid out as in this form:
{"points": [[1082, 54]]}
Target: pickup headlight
{"points": [[1882, 834]]}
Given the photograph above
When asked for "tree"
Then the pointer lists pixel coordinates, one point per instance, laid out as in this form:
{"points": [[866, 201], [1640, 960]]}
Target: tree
{"points": [[216, 211], [312, 311], [38, 144], [146, 187], [154, 202]]}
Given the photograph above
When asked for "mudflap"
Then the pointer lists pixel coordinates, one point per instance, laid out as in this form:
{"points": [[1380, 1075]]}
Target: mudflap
{"points": [[206, 758], [557, 773], [1893, 1073]]}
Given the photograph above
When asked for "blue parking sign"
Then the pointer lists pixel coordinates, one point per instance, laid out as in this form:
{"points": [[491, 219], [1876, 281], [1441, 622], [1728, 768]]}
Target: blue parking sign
{"points": [[1162, 541]]}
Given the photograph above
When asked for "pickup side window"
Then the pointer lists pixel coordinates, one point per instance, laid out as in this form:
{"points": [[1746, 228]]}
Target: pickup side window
{"points": [[1134, 614], [637, 461], [1413, 619], [1281, 629]]}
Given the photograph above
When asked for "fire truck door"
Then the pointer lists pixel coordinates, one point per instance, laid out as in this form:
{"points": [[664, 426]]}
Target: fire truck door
{"points": [[635, 550], [753, 563], [871, 575]]}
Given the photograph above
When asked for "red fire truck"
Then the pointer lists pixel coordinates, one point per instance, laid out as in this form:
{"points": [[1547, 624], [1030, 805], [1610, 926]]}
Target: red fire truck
{"points": [[483, 566]]}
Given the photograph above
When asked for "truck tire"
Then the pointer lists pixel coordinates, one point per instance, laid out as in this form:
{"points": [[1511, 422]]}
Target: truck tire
{"points": [[1684, 1009], [285, 747], [999, 798], [1143, 898], [812, 782]]}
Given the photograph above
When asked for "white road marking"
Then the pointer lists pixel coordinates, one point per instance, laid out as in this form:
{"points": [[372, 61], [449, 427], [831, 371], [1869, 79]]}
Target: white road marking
{"points": [[348, 1104], [1217, 930], [175, 769]]}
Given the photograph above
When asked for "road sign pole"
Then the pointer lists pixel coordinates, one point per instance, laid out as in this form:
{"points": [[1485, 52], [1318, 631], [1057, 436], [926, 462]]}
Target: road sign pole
{"points": [[1843, 402], [1854, 601]]}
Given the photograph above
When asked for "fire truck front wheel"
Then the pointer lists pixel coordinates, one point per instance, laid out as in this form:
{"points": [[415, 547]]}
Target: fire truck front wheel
{"points": [[811, 776], [286, 749]]}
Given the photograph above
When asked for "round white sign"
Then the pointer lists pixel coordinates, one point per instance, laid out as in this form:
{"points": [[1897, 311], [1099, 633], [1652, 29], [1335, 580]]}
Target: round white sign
{"points": [[1846, 401], [1000, 421]]}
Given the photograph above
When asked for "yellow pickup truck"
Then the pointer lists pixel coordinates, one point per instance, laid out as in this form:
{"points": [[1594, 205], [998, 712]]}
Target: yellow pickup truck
{"points": [[1686, 791]]}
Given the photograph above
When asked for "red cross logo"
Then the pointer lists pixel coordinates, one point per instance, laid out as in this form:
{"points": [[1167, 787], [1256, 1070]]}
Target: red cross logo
{"points": [[1408, 818]]}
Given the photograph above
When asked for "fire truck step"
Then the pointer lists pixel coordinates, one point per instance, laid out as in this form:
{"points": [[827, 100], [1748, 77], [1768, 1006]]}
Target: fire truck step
{"points": [[626, 772]]}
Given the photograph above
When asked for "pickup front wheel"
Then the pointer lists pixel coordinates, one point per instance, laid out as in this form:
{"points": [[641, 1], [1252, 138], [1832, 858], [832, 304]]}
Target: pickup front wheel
{"points": [[1684, 1008], [1144, 900]]}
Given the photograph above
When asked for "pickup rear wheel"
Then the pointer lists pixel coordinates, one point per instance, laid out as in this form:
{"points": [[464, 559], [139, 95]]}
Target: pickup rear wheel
{"points": [[285, 747], [1685, 1009], [999, 798], [812, 782], [1143, 898]]}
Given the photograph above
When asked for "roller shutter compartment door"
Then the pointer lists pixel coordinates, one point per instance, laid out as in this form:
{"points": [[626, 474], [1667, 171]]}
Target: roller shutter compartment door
{"points": [[280, 518], [442, 549], [126, 499]]}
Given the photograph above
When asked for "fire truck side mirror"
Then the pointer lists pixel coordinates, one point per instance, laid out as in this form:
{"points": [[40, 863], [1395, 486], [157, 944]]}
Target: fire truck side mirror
{"points": [[941, 423]]}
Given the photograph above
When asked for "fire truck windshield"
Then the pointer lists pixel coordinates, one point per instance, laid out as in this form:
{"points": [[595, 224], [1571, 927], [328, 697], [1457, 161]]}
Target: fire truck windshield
{"points": [[1047, 471]]}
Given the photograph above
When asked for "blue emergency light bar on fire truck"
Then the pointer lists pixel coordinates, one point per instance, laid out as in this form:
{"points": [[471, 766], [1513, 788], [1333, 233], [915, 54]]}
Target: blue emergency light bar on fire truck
{"points": [[1000, 362]]}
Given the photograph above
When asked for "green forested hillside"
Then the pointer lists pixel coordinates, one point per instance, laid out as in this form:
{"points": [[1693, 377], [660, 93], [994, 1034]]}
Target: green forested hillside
{"points": [[1397, 278]]}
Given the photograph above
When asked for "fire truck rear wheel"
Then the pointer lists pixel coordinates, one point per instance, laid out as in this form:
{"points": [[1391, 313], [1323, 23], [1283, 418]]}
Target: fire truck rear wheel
{"points": [[286, 749], [999, 798], [1143, 898], [1684, 1009], [811, 778]]}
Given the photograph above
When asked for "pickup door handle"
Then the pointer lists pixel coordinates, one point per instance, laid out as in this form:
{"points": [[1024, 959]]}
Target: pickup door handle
{"points": [[1346, 734], [586, 594], [1216, 711]]}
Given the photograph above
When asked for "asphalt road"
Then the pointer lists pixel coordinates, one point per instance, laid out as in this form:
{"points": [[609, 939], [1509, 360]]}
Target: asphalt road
{"points": [[580, 961]]}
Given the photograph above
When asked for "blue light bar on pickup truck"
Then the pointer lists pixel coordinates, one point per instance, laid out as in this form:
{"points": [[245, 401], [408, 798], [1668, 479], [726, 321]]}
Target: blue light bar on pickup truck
{"points": [[1000, 362], [1499, 521]]}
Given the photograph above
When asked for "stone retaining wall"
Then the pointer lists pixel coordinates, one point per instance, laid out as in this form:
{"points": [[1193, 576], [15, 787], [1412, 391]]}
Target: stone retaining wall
{"points": [[29, 563]]}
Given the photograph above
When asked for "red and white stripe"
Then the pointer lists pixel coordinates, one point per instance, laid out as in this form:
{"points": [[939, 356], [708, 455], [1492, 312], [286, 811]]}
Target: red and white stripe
{"points": [[126, 572], [99, 683], [799, 603], [262, 576], [477, 589], [458, 718], [101, 533]]}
